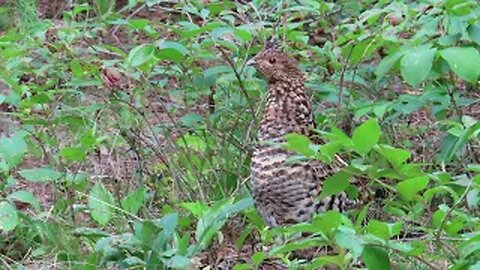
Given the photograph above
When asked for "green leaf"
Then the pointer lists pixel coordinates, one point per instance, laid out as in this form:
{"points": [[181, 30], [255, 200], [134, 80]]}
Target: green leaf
{"points": [[40, 175], [99, 202], [178, 261], [171, 50], [473, 32], [196, 208], [416, 64], [460, 7], [192, 120], [379, 229], [141, 54], [469, 247], [463, 61], [452, 144], [328, 222], [366, 136], [105, 6], [26, 197], [359, 51], [13, 149], [321, 262], [192, 141], [346, 238], [73, 153], [243, 34], [428, 195], [8, 217], [449, 40], [132, 262], [408, 188], [211, 222], [394, 155], [134, 201], [77, 69], [300, 144], [258, 257], [376, 258], [335, 184], [298, 245]]}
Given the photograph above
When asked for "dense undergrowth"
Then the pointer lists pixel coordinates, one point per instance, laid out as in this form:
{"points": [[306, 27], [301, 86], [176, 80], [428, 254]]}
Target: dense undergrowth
{"points": [[126, 131]]}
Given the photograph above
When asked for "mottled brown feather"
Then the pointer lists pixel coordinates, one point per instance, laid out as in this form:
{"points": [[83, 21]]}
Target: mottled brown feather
{"points": [[286, 193]]}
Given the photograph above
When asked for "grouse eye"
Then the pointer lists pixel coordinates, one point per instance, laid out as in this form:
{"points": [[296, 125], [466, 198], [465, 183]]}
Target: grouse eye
{"points": [[272, 60]]}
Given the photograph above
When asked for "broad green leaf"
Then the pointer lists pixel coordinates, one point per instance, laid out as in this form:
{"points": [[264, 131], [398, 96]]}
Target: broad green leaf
{"points": [[473, 32], [330, 149], [134, 201], [379, 229], [196, 208], [428, 195], [40, 175], [243, 34], [449, 40], [452, 144], [328, 222], [394, 155], [366, 136], [463, 61], [299, 244], [171, 50], [100, 201], [132, 262], [335, 184], [12, 149], [178, 261], [73, 153], [212, 221], [168, 223], [77, 69], [242, 266], [259, 257], [300, 144], [105, 6], [192, 119], [346, 238], [469, 247], [8, 217], [416, 64], [26, 197], [473, 198], [193, 141], [376, 258], [460, 7], [320, 262], [141, 54], [359, 51], [408, 188], [145, 231]]}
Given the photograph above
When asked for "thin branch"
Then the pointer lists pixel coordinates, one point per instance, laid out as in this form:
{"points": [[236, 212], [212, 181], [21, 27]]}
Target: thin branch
{"points": [[450, 211], [239, 79]]}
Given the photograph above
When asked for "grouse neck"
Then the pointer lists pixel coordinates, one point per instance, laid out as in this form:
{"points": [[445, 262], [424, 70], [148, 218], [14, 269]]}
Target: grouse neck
{"points": [[285, 88], [287, 110]]}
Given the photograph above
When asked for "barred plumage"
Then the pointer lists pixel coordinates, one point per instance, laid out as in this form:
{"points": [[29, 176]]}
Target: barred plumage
{"points": [[287, 193]]}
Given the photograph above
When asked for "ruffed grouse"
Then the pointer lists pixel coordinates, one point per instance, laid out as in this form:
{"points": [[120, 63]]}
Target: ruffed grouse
{"points": [[286, 193]]}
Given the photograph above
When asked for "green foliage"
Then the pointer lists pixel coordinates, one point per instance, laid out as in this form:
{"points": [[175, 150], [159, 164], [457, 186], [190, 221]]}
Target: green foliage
{"points": [[125, 132]]}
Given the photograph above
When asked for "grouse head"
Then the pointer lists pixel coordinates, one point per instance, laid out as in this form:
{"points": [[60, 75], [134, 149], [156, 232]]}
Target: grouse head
{"points": [[275, 65]]}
